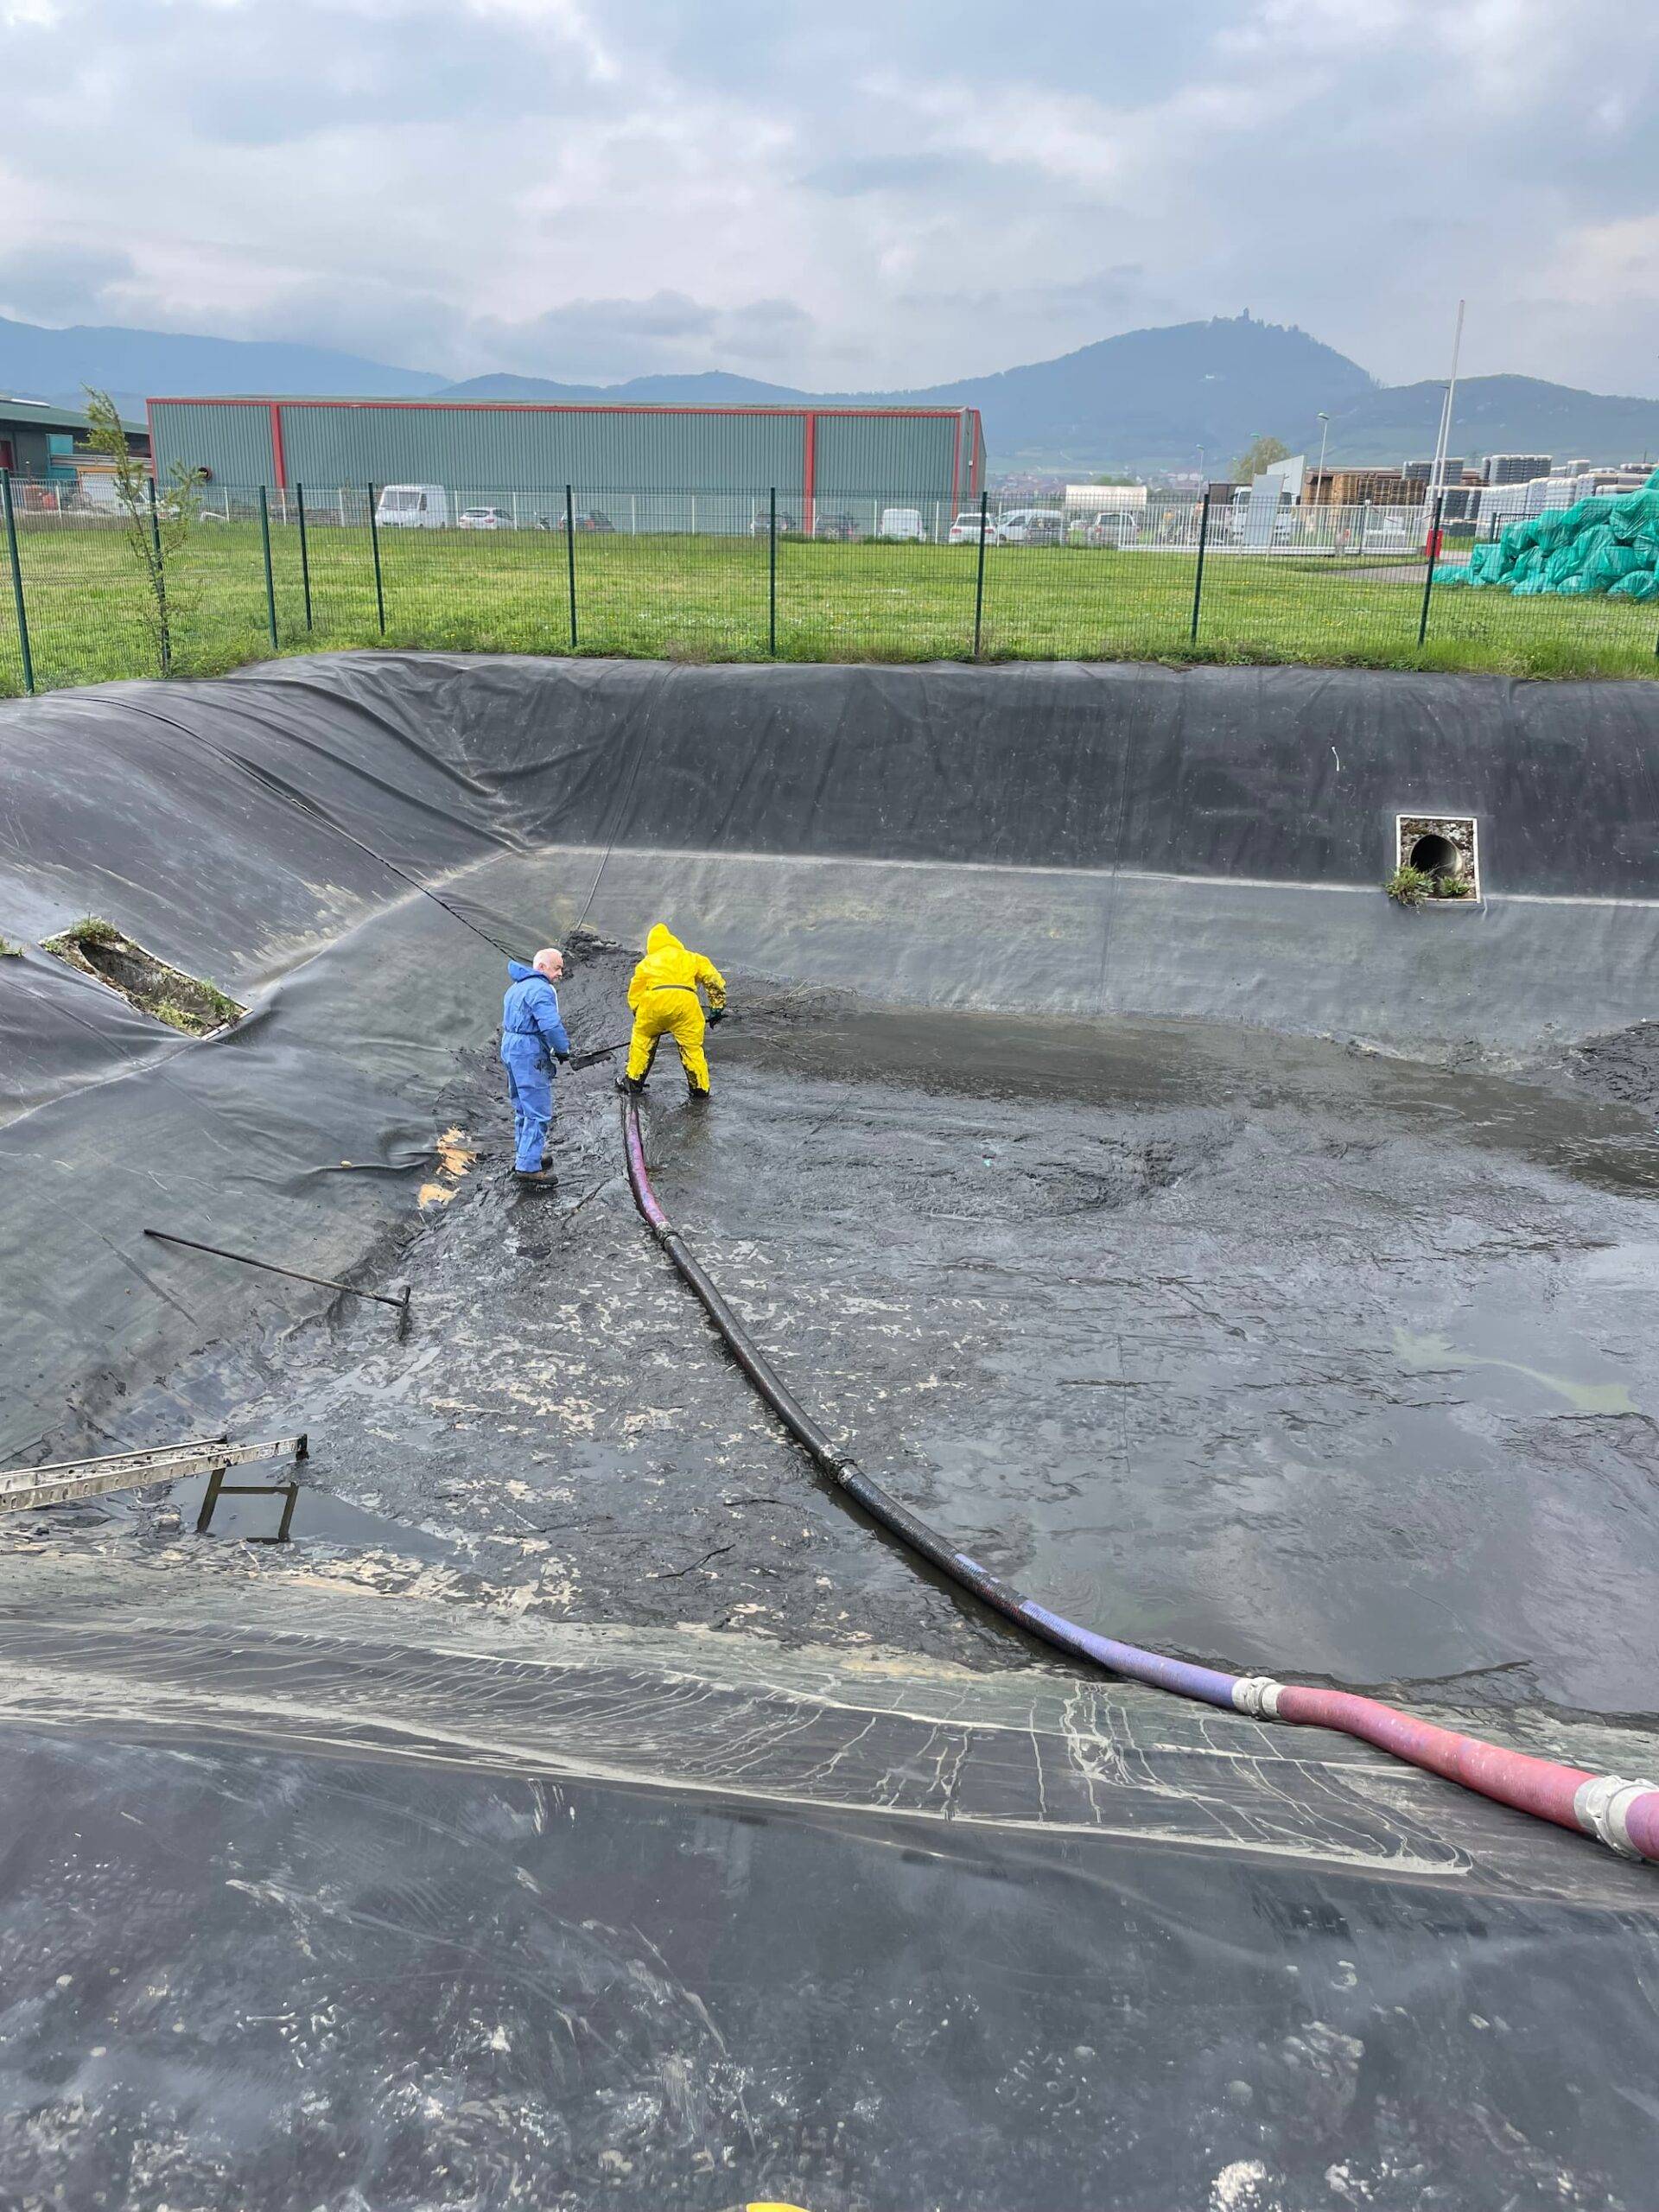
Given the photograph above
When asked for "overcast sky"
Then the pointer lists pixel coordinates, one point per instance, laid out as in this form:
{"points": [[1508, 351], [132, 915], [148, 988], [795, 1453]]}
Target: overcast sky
{"points": [[839, 194]]}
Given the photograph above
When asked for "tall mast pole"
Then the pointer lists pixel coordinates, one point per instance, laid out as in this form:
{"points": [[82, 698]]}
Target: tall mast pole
{"points": [[1443, 443]]}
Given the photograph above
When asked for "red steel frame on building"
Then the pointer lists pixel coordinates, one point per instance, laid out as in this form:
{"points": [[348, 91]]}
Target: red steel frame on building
{"points": [[809, 417]]}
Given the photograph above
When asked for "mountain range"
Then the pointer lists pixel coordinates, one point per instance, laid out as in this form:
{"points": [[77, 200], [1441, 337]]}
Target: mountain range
{"points": [[1149, 398], [1188, 395], [37, 363]]}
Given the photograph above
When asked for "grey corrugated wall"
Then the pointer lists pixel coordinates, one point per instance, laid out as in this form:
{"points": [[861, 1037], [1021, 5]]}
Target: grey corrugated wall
{"points": [[640, 464]]}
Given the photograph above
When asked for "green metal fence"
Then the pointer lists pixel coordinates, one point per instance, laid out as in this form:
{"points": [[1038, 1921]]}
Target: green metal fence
{"points": [[748, 575]]}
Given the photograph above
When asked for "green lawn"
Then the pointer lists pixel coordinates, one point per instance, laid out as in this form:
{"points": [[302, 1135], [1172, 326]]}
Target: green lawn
{"points": [[707, 599]]}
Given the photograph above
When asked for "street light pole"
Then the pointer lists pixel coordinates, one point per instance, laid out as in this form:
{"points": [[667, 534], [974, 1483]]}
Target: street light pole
{"points": [[1318, 478]]}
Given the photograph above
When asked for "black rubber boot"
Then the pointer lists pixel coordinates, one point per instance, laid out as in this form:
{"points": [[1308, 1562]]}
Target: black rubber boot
{"points": [[695, 1098]]}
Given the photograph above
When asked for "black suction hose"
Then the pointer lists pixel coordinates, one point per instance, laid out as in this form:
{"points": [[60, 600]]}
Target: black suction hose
{"points": [[1619, 1812], [848, 1477]]}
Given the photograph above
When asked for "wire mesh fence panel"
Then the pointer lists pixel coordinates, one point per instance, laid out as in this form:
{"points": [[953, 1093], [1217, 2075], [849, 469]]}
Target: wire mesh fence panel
{"points": [[87, 609], [218, 583], [682, 575], [1087, 585], [874, 576], [1269, 607], [1537, 634], [475, 569], [327, 549], [694, 575]]}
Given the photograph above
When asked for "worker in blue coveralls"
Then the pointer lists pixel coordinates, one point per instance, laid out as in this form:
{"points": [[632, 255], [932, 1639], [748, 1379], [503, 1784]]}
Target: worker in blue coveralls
{"points": [[532, 1039]]}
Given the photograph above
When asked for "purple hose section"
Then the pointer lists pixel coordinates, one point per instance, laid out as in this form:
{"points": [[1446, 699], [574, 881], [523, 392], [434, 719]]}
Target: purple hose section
{"points": [[1543, 1788], [1178, 1674]]}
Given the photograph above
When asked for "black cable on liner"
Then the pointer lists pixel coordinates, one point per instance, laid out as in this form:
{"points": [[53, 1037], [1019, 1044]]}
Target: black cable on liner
{"points": [[297, 798]]}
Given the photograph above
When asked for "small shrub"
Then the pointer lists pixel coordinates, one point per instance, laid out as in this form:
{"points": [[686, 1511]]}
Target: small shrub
{"points": [[89, 930], [220, 1006], [156, 520], [8, 950], [1453, 886], [1409, 887]]}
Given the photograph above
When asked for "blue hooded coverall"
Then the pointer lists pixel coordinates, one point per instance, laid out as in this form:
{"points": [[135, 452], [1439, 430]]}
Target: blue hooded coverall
{"points": [[532, 1038]]}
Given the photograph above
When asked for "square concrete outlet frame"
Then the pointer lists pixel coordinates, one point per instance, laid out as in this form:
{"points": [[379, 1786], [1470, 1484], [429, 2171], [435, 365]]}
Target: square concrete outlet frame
{"points": [[1462, 830]]}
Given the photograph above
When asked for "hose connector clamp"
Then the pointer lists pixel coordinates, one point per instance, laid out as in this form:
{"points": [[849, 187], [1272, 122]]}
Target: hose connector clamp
{"points": [[1258, 1695], [1601, 1808]]}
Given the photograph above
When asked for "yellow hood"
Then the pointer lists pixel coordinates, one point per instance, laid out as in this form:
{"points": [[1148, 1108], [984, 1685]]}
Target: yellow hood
{"points": [[669, 965]]}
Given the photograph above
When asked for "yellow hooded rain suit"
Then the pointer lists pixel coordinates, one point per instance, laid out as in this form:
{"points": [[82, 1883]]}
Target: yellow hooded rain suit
{"points": [[663, 998]]}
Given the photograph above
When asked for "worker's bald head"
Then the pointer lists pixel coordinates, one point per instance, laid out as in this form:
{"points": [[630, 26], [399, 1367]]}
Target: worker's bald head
{"points": [[549, 962]]}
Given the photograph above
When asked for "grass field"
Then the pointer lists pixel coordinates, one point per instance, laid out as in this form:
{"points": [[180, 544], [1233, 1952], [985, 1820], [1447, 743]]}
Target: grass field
{"points": [[706, 598]]}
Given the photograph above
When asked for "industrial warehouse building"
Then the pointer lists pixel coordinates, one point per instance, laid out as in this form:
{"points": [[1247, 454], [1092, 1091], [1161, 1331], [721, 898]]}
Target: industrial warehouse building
{"points": [[48, 448], [639, 468]]}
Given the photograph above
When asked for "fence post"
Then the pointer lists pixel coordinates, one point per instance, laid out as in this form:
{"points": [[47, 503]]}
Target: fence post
{"points": [[1197, 581], [570, 556], [271, 582], [374, 548], [164, 637], [979, 578], [17, 582], [305, 551], [771, 575], [1433, 550]]}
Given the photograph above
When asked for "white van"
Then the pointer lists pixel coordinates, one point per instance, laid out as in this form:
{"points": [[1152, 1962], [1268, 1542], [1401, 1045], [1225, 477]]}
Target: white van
{"points": [[904, 523], [412, 506]]}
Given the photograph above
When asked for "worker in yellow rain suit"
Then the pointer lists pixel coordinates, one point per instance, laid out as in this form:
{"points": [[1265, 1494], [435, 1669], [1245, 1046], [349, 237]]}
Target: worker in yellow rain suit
{"points": [[663, 998]]}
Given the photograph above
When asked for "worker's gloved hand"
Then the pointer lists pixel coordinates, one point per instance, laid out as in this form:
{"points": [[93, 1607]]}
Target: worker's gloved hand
{"points": [[716, 1014], [561, 1058]]}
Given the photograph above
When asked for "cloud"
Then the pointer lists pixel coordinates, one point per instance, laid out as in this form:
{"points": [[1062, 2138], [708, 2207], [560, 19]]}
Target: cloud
{"points": [[60, 284], [867, 196], [607, 340], [857, 176]]}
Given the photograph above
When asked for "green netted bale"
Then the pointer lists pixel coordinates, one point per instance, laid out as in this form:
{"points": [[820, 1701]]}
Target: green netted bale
{"points": [[1596, 547]]}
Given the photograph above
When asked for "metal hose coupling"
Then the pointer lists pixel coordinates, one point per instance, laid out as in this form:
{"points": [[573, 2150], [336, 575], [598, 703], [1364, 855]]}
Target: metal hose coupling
{"points": [[1258, 1695], [1603, 1807]]}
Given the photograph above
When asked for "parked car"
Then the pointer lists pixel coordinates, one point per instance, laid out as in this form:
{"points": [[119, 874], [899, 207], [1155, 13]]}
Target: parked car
{"points": [[1031, 525], [841, 527], [1112, 528], [412, 506], [761, 526], [903, 524], [965, 529], [1043, 526], [484, 518], [586, 518]]}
